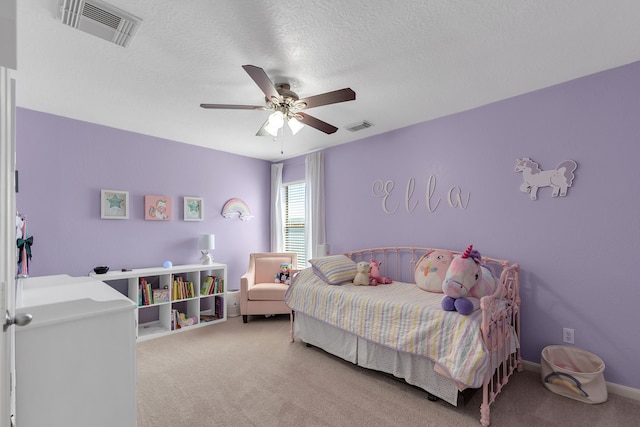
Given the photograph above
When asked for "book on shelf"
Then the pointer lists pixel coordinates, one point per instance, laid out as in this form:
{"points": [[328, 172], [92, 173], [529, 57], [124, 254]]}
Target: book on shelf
{"points": [[212, 285], [176, 288], [207, 284], [174, 320], [160, 295], [182, 289], [142, 292], [219, 307], [144, 289], [207, 317]]}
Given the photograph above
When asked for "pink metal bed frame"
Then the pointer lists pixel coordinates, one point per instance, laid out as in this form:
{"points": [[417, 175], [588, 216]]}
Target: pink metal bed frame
{"points": [[500, 313]]}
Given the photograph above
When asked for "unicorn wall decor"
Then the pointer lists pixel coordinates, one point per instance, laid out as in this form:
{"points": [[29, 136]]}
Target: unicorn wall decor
{"points": [[559, 179]]}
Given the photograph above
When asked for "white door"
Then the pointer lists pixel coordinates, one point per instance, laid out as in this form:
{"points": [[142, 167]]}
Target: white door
{"points": [[8, 63], [8, 245], [8, 239]]}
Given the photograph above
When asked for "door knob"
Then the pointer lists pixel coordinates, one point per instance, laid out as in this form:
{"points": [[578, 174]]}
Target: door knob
{"points": [[20, 320]]}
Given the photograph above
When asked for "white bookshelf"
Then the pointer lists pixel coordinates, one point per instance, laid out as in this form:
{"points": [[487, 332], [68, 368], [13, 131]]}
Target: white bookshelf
{"points": [[155, 319]]}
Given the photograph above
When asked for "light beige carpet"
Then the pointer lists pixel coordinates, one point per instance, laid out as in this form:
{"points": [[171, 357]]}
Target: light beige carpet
{"points": [[235, 374]]}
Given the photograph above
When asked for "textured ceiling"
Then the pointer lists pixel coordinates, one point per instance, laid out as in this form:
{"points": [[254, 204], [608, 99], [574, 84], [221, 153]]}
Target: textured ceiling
{"points": [[408, 61]]}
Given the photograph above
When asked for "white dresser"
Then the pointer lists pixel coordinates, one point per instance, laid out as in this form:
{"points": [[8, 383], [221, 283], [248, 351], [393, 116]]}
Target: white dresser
{"points": [[76, 360]]}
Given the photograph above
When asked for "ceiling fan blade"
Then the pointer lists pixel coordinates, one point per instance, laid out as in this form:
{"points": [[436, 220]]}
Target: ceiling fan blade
{"points": [[334, 97], [262, 80], [233, 107], [316, 123]]}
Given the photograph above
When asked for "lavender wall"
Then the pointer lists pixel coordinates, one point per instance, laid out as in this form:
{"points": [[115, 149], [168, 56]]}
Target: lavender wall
{"points": [[578, 254], [63, 165]]}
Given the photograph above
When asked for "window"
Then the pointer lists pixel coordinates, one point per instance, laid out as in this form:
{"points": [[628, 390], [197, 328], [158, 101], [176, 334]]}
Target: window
{"points": [[294, 221]]}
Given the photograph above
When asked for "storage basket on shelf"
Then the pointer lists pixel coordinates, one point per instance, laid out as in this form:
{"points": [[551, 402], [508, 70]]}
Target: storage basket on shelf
{"points": [[574, 373]]}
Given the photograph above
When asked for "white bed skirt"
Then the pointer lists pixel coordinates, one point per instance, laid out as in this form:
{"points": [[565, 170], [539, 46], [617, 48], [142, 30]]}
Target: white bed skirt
{"points": [[414, 369]]}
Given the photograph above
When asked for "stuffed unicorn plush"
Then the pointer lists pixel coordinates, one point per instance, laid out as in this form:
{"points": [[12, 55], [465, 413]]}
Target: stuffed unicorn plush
{"points": [[374, 274], [466, 282]]}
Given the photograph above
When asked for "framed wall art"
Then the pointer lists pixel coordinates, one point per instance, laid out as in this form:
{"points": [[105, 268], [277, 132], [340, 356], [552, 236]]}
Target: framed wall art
{"points": [[193, 209], [114, 204], [157, 208]]}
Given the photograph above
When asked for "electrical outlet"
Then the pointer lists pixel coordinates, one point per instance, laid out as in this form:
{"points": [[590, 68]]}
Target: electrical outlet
{"points": [[567, 335]]}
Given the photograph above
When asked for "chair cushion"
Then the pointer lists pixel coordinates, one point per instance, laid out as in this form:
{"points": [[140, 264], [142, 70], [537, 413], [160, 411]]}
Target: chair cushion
{"points": [[267, 292], [334, 269]]}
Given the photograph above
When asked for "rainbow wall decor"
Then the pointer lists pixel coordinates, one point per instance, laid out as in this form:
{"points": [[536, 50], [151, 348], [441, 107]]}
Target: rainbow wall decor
{"points": [[235, 207]]}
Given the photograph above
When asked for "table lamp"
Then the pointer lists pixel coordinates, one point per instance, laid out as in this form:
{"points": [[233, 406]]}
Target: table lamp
{"points": [[206, 242]]}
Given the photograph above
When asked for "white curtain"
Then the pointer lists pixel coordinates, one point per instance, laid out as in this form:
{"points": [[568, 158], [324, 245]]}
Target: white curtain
{"points": [[315, 212], [277, 209]]}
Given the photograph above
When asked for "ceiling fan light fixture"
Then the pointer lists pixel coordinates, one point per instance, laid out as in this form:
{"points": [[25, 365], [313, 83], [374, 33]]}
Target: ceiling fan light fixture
{"points": [[294, 125], [276, 119], [271, 130], [275, 122]]}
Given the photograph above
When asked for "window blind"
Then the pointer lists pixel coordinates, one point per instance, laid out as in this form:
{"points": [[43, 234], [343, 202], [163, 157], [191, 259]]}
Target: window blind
{"points": [[294, 235]]}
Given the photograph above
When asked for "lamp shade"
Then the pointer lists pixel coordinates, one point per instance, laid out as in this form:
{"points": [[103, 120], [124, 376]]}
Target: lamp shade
{"points": [[275, 123], [207, 242], [294, 125]]}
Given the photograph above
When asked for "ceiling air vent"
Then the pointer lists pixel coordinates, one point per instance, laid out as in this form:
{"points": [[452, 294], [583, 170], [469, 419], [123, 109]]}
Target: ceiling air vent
{"points": [[359, 126], [100, 19]]}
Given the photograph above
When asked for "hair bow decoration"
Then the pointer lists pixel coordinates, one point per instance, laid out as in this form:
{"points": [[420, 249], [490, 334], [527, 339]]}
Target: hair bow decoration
{"points": [[24, 244]]}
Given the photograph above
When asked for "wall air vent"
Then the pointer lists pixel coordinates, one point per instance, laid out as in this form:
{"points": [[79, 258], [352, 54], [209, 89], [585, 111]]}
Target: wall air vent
{"points": [[359, 126], [100, 19]]}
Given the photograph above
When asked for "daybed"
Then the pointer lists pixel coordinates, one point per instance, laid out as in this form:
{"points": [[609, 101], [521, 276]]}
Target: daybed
{"points": [[401, 329]]}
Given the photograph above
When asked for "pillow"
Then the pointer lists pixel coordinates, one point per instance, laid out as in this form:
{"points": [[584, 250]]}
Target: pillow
{"points": [[431, 270], [334, 269]]}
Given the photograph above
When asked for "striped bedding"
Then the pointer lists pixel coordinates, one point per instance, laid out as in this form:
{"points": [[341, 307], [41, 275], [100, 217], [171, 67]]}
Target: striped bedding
{"points": [[400, 316]]}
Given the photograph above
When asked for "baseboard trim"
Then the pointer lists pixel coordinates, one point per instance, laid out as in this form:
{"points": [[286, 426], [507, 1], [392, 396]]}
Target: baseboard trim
{"points": [[612, 388]]}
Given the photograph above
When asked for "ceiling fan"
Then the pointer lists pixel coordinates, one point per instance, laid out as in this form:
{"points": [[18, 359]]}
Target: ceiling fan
{"points": [[286, 105]]}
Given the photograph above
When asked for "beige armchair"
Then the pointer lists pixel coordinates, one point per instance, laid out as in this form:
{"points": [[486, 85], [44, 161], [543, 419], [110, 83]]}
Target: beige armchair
{"points": [[259, 294]]}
